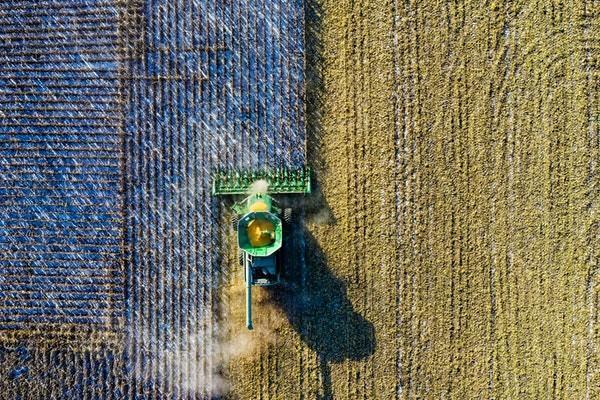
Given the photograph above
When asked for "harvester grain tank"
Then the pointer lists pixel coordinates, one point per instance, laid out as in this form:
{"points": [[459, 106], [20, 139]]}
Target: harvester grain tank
{"points": [[257, 219]]}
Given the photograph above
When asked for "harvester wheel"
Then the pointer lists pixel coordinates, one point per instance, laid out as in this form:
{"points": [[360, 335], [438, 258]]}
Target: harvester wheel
{"points": [[234, 222], [287, 215]]}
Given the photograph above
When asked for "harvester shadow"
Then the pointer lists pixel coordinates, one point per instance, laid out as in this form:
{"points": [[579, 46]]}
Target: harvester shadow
{"points": [[313, 298], [315, 303]]}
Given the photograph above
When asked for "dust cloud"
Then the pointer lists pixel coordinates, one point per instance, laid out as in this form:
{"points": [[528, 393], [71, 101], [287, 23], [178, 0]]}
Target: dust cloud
{"points": [[321, 216], [259, 187], [195, 365]]}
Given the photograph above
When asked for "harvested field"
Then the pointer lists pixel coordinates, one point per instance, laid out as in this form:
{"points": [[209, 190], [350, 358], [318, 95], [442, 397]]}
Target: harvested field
{"points": [[454, 251]]}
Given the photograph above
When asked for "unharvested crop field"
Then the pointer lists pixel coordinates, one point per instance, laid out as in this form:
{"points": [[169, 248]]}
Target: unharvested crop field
{"points": [[454, 251], [449, 250]]}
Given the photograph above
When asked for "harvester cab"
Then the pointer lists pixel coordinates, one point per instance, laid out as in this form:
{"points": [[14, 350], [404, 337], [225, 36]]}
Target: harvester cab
{"points": [[259, 221]]}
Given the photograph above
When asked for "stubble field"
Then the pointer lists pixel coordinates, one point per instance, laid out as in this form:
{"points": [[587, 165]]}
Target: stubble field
{"points": [[451, 249]]}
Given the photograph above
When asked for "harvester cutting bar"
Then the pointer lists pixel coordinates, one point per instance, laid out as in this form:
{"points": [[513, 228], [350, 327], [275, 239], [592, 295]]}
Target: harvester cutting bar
{"points": [[280, 180]]}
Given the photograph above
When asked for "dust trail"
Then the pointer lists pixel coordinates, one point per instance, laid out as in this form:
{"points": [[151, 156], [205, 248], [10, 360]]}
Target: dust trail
{"points": [[321, 216], [183, 369], [181, 357], [241, 348], [266, 315]]}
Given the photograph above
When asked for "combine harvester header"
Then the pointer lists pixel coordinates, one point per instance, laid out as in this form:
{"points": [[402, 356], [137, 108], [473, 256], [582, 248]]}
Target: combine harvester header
{"points": [[280, 181]]}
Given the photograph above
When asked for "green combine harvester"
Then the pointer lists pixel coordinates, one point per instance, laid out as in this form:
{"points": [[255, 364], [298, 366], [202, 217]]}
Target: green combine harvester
{"points": [[257, 219]]}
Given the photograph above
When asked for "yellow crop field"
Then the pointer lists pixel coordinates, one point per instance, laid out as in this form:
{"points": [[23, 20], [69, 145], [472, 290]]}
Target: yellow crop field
{"points": [[451, 249]]}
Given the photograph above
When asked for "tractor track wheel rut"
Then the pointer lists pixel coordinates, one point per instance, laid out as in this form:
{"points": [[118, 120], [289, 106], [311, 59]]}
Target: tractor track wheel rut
{"points": [[287, 215], [234, 222]]}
